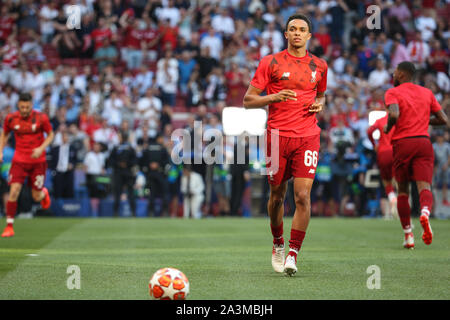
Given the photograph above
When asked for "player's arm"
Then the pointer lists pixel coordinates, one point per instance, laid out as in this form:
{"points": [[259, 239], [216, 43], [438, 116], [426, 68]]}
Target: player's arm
{"points": [[393, 113], [3, 140], [370, 132], [253, 99], [319, 103], [439, 118], [48, 140]]}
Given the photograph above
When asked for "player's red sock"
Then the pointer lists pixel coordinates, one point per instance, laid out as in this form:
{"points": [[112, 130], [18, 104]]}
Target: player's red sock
{"points": [[404, 212], [277, 233], [11, 208], [426, 202], [296, 241]]}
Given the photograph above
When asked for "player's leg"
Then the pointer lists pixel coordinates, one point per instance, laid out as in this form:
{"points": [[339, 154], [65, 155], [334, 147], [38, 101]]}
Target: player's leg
{"points": [[426, 204], [404, 213], [16, 178], [300, 221], [303, 166], [385, 161], [11, 208], [275, 208], [37, 178], [422, 168], [278, 174], [402, 160]]}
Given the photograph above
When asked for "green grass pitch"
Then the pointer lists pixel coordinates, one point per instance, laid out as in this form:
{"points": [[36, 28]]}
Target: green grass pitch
{"points": [[224, 259]]}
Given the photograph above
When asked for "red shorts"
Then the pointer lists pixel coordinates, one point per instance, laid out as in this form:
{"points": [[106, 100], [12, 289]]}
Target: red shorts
{"points": [[297, 157], [413, 159], [385, 162], [34, 171]]}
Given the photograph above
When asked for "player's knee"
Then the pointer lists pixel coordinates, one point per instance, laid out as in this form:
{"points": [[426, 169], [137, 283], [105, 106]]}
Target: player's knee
{"points": [[14, 194], [302, 198], [276, 200]]}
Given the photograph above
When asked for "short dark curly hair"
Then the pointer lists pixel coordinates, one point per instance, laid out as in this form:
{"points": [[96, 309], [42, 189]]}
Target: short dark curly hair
{"points": [[407, 67], [301, 17], [25, 96]]}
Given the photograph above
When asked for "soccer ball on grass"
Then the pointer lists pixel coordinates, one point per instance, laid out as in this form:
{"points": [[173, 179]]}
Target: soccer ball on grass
{"points": [[169, 284]]}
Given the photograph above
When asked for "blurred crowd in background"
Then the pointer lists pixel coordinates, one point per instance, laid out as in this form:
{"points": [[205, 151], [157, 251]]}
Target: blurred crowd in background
{"points": [[117, 82]]}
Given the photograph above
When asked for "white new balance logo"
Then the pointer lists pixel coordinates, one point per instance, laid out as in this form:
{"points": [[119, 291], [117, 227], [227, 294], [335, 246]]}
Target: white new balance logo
{"points": [[312, 171]]}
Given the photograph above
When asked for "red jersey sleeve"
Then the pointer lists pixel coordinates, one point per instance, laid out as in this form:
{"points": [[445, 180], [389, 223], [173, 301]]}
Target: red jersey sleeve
{"points": [[262, 74], [435, 106], [6, 128], [46, 125], [390, 98], [370, 132], [322, 85]]}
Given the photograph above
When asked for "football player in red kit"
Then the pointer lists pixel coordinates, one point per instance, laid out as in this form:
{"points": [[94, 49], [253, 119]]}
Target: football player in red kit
{"points": [[385, 159], [412, 108], [29, 160], [295, 82]]}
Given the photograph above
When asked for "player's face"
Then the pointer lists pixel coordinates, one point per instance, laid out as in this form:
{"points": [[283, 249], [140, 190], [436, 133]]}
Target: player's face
{"points": [[25, 108], [297, 33]]}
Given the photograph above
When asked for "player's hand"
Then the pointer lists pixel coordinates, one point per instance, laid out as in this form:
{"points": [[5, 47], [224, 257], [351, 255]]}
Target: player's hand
{"points": [[316, 107], [36, 153], [1, 157], [285, 95]]}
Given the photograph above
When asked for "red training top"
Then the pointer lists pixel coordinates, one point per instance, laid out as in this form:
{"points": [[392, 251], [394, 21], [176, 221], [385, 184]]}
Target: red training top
{"points": [[384, 143], [416, 104], [307, 76], [28, 133]]}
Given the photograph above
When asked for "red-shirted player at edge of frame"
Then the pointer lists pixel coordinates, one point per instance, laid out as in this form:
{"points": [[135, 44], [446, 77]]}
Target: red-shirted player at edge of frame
{"points": [[412, 108], [295, 82], [29, 157]]}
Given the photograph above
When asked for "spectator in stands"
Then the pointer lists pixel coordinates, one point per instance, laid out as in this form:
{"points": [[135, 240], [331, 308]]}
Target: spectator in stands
{"points": [[167, 75], [170, 13], [148, 107], [47, 14], [8, 98], [442, 172], [150, 40], [102, 31], [223, 23], [133, 43], [106, 55], [418, 50], [186, 64], [65, 39], [28, 10], [426, 24], [400, 53], [8, 25], [11, 55], [62, 165], [379, 77], [143, 79], [214, 42], [113, 109], [106, 136], [169, 35]]}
